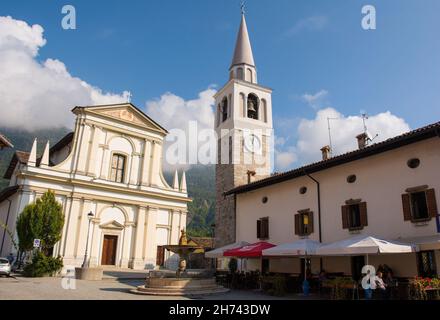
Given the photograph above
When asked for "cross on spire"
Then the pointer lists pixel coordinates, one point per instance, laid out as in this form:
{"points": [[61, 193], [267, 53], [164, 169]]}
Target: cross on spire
{"points": [[243, 7]]}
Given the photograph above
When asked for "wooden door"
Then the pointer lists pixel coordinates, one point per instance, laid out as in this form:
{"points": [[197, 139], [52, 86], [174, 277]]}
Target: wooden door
{"points": [[109, 250]]}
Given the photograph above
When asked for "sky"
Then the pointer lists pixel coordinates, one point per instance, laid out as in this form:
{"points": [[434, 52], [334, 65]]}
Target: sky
{"points": [[173, 55]]}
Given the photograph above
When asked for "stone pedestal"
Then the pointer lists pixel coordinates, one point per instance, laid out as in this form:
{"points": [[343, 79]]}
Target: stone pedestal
{"points": [[90, 274]]}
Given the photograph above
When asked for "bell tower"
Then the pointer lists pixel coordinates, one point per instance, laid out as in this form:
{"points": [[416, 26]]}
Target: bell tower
{"points": [[243, 124]]}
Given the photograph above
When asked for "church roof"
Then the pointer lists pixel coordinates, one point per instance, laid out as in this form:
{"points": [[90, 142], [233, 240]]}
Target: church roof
{"points": [[243, 50], [427, 132], [129, 105], [4, 142], [18, 157]]}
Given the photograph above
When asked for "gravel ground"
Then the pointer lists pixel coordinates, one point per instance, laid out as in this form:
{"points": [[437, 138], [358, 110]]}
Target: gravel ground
{"points": [[108, 289]]}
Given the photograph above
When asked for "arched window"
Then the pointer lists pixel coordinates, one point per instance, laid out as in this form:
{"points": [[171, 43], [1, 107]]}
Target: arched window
{"points": [[118, 168], [252, 106], [224, 109], [240, 74], [231, 74], [249, 75]]}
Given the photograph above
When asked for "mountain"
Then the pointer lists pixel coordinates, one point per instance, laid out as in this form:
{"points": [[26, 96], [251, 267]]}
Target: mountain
{"points": [[200, 179]]}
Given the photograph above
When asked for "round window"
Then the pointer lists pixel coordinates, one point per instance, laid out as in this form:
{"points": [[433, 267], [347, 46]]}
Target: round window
{"points": [[303, 190], [264, 200], [351, 178], [413, 163]]}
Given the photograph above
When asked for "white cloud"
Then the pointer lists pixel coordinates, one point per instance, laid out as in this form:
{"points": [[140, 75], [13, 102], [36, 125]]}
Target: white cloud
{"points": [[174, 112], [315, 100], [38, 94], [313, 23], [312, 134], [284, 159]]}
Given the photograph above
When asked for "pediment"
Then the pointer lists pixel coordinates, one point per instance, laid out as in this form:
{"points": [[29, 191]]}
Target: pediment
{"points": [[114, 225], [127, 113]]}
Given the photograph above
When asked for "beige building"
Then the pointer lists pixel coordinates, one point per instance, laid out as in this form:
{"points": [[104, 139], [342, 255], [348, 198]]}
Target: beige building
{"points": [[387, 190], [110, 166]]}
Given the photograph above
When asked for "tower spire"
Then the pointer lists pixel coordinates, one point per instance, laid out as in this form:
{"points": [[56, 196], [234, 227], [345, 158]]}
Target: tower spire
{"points": [[243, 50]]}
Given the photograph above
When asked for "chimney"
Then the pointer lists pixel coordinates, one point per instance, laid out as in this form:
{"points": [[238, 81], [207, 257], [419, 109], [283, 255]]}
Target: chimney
{"points": [[250, 174], [325, 152], [362, 140]]}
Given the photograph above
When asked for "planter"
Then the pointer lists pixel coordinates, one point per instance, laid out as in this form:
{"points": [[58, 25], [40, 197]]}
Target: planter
{"points": [[90, 274]]}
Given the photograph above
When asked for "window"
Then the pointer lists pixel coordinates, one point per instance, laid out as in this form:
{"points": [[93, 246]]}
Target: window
{"points": [[240, 74], [230, 150], [419, 207], [224, 109], [118, 168], [304, 223], [413, 163], [419, 204], [426, 264], [252, 107], [354, 215], [263, 228], [351, 178]]}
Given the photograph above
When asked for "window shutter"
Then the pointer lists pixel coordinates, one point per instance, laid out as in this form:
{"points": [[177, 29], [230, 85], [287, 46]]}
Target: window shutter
{"points": [[259, 229], [310, 227], [363, 214], [266, 228], [406, 204], [431, 203], [345, 222], [297, 222]]}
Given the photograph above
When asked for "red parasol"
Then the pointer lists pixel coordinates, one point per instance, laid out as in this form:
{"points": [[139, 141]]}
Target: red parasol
{"points": [[250, 251]]}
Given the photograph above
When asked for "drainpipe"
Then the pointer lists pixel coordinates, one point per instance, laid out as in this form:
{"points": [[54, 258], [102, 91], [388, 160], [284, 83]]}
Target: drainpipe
{"points": [[6, 224], [437, 218], [318, 188]]}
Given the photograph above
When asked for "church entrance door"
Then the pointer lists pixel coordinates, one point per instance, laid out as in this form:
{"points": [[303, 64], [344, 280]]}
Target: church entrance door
{"points": [[109, 250]]}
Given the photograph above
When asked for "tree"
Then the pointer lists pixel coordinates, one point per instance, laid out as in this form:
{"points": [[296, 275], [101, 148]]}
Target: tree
{"points": [[42, 220]]}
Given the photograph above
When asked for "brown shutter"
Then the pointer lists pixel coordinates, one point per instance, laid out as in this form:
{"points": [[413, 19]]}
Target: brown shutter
{"points": [[310, 227], [363, 213], [259, 229], [297, 222], [431, 203], [266, 228], [406, 204], [345, 222]]}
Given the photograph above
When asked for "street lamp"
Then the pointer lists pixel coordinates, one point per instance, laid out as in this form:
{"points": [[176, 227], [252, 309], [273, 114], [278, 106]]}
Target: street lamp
{"points": [[90, 217]]}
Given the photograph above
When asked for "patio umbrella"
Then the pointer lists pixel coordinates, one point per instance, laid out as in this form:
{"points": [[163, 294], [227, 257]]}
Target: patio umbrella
{"points": [[300, 248], [218, 253], [364, 245], [250, 251]]}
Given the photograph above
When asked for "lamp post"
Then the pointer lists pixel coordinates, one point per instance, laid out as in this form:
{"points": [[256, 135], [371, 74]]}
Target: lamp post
{"points": [[90, 216]]}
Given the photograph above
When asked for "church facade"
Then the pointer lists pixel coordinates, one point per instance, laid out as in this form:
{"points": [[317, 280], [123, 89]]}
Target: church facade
{"points": [[107, 173]]}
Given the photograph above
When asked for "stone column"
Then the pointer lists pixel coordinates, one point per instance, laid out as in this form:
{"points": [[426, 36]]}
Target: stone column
{"points": [[83, 227], [93, 152], [83, 149], [155, 165], [150, 251], [105, 162], [145, 178], [137, 261], [95, 242], [71, 232], [175, 227], [127, 236]]}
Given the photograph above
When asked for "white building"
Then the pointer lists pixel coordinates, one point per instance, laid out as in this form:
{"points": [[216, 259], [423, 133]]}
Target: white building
{"points": [[111, 166], [386, 190]]}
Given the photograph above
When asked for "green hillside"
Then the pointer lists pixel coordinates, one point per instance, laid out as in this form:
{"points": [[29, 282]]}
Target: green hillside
{"points": [[200, 179]]}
